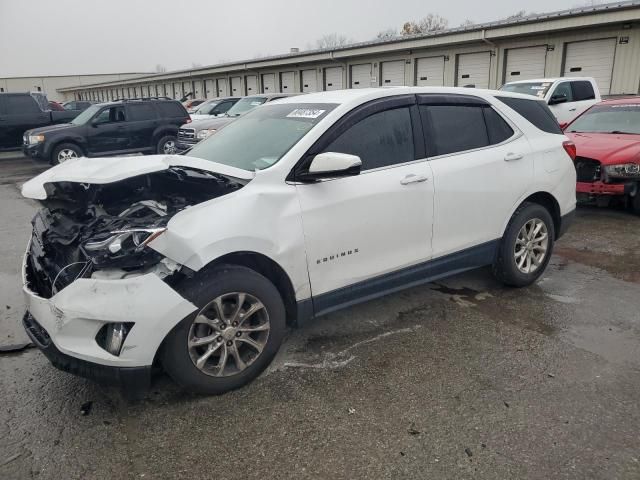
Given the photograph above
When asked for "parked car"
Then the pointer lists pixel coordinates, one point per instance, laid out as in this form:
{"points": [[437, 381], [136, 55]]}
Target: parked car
{"points": [[607, 139], [80, 105], [567, 97], [192, 104], [214, 108], [113, 128], [297, 209], [22, 111], [190, 135]]}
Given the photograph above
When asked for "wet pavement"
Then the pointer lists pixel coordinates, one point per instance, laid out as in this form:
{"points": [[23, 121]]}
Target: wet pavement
{"points": [[459, 379]]}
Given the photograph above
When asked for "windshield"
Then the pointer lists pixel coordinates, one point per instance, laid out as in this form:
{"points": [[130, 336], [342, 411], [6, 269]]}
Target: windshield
{"points": [[245, 104], [623, 118], [538, 89], [205, 108], [260, 138], [85, 116]]}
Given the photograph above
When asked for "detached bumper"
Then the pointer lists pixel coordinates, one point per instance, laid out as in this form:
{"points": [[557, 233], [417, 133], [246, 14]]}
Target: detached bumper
{"points": [[72, 318], [602, 188]]}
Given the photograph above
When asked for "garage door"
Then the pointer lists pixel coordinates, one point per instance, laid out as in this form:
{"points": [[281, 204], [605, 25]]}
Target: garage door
{"points": [[333, 78], [288, 82], [593, 58], [187, 88], [392, 73], [309, 81], [473, 70], [177, 91], [361, 76], [223, 89], [168, 90], [236, 86], [197, 90], [209, 88], [268, 83], [525, 63], [430, 71], [251, 81]]}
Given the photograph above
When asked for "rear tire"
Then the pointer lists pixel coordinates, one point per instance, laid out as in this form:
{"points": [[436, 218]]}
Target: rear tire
{"points": [[167, 145], [526, 247], [64, 152], [232, 337]]}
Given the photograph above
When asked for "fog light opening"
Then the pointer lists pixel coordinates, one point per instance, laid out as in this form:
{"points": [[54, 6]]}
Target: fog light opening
{"points": [[111, 337]]}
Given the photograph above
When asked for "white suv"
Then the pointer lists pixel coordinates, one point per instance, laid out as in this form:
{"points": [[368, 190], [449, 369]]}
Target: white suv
{"points": [[301, 207]]}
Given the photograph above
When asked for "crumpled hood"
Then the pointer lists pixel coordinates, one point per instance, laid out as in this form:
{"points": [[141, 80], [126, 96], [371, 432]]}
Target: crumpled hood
{"points": [[607, 148], [114, 169]]}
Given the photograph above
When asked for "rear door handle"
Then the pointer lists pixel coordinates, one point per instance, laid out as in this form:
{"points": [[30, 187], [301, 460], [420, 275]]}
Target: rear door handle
{"points": [[510, 157], [411, 178]]}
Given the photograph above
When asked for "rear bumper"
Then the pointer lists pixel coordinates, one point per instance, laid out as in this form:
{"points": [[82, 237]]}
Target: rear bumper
{"points": [[602, 188], [128, 378]]}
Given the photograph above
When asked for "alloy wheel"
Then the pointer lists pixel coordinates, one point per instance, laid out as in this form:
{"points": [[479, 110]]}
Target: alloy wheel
{"points": [[66, 154], [169, 147], [228, 334], [531, 246]]}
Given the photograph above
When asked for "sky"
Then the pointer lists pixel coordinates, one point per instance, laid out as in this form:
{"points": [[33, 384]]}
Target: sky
{"points": [[60, 37]]}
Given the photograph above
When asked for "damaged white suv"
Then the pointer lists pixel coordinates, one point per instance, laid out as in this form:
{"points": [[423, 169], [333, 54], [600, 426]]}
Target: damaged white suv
{"points": [[306, 205]]}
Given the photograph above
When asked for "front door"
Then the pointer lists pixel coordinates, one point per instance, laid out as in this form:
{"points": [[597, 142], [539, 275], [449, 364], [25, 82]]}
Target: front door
{"points": [[108, 131], [364, 226]]}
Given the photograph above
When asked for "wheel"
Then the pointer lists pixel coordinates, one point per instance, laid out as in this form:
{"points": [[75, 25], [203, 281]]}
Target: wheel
{"points": [[167, 145], [526, 247], [64, 152], [233, 336], [635, 203]]}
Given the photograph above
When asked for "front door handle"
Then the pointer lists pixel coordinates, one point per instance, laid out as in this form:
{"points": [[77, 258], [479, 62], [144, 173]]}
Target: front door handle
{"points": [[510, 157], [411, 178]]}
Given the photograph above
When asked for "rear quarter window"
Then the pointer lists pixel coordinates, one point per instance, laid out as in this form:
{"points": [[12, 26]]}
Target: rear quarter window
{"points": [[535, 111], [171, 109]]}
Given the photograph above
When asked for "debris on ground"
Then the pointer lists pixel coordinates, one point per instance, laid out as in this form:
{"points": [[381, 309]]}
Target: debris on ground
{"points": [[412, 430], [551, 375], [85, 409], [468, 452], [352, 411], [506, 404], [16, 347], [10, 459]]}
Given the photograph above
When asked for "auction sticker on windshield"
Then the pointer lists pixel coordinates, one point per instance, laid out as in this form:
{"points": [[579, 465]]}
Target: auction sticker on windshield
{"points": [[305, 113]]}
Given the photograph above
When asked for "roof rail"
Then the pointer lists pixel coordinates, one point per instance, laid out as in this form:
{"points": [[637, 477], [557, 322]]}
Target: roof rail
{"points": [[143, 99]]}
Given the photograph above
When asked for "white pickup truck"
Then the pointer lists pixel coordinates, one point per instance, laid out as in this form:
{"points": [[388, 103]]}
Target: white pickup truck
{"points": [[567, 97]]}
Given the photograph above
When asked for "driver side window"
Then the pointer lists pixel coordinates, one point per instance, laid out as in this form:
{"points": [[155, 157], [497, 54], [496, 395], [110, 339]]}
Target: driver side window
{"points": [[564, 89], [110, 115]]}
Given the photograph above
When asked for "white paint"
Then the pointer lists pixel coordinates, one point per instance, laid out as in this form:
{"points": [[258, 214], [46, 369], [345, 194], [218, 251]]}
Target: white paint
{"points": [[525, 63], [474, 70], [430, 71], [392, 73], [309, 81], [333, 78], [361, 76]]}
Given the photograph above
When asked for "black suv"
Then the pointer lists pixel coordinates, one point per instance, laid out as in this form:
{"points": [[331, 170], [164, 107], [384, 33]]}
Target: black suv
{"points": [[125, 126]]}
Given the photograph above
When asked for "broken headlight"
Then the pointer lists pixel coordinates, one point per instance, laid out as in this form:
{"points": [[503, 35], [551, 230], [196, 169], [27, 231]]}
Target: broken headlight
{"points": [[126, 248], [134, 238], [626, 170]]}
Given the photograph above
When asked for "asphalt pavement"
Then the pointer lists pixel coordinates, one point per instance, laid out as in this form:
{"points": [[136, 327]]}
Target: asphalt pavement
{"points": [[460, 379]]}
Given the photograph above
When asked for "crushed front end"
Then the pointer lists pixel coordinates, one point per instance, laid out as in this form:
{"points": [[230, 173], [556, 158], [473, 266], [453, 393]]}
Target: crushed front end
{"points": [[100, 300]]}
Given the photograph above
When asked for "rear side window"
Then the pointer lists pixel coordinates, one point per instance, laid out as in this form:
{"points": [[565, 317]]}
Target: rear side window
{"points": [[20, 104], [171, 109], [454, 128], [142, 112], [497, 129], [535, 111], [582, 90], [382, 139]]}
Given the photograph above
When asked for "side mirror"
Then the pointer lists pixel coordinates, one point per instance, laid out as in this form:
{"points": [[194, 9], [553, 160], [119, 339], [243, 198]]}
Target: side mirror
{"points": [[564, 125], [556, 99], [332, 165]]}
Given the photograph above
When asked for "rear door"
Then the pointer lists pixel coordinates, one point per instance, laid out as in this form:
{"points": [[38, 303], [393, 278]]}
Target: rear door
{"points": [[374, 223], [142, 120], [482, 165], [108, 132], [19, 113]]}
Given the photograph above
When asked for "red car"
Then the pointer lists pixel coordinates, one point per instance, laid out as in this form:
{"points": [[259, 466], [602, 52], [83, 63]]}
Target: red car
{"points": [[607, 139]]}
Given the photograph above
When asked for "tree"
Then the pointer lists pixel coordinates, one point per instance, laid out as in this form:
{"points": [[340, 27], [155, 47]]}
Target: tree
{"points": [[517, 15], [387, 34], [160, 68], [430, 23], [467, 23], [332, 40]]}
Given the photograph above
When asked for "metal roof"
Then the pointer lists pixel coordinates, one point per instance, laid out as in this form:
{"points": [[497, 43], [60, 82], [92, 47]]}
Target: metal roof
{"points": [[533, 18]]}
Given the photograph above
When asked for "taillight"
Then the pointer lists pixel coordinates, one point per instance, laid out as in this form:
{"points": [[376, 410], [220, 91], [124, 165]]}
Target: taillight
{"points": [[570, 148]]}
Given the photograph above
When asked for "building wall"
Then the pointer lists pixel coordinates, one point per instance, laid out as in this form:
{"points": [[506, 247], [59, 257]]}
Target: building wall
{"points": [[51, 85]]}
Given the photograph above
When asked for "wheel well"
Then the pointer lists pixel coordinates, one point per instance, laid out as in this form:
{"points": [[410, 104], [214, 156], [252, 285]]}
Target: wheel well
{"points": [[66, 140], [549, 202], [271, 270]]}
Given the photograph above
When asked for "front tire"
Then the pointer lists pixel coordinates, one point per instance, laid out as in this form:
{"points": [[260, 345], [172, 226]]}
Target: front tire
{"points": [[232, 337], [526, 247], [167, 145], [64, 152]]}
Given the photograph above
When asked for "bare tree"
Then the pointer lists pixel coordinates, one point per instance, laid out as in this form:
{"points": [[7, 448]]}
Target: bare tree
{"points": [[430, 23], [387, 34], [467, 23], [517, 15], [332, 40], [160, 68]]}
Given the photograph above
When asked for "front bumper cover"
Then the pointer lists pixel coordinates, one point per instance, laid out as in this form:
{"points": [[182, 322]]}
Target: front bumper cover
{"points": [[602, 188]]}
